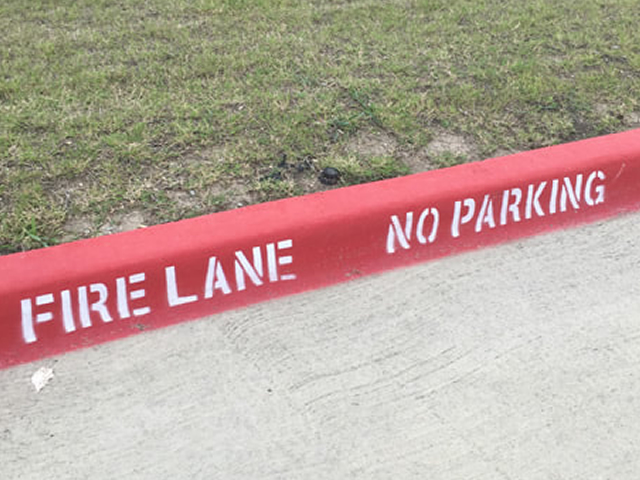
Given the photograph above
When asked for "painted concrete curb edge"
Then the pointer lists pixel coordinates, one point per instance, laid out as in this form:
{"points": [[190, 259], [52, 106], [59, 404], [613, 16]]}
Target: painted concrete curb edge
{"points": [[74, 295]]}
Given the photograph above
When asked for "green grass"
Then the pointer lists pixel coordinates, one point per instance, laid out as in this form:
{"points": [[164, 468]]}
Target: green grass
{"points": [[179, 108]]}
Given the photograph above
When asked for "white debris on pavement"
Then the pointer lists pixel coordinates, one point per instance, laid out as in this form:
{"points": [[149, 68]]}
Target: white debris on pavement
{"points": [[42, 376]]}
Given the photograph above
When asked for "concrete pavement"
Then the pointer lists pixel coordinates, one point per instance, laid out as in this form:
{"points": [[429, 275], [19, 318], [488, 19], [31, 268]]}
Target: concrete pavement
{"points": [[515, 362]]}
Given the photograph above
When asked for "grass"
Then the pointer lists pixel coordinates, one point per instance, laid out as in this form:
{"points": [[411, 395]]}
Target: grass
{"points": [[171, 109]]}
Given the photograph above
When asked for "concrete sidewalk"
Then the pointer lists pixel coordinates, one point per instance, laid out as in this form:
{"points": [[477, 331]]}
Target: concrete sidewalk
{"points": [[516, 362]]}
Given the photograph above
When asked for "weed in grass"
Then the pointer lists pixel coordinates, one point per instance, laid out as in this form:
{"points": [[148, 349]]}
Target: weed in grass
{"points": [[31, 232]]}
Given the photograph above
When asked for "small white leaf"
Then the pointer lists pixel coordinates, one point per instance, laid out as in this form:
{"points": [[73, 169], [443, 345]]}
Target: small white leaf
{"points": [[42, 376]]}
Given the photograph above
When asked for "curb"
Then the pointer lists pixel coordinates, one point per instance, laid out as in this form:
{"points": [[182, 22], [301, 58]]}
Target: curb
{"points": [[74, 295]]}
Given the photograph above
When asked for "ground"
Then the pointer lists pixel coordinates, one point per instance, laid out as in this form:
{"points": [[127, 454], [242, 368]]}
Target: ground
{"points": [[115, 115], [515, 362]]}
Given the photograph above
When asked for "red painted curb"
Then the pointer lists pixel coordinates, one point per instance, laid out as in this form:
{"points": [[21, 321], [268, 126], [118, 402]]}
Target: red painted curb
{"points": [[74, 295]]}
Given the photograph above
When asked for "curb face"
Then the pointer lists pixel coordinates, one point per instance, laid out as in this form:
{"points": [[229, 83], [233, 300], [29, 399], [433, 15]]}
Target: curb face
{"points": [[83, 293]]}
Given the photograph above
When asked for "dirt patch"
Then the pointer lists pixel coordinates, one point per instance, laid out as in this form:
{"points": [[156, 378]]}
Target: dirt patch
{"points": [[417, 160], [123, 223], [240, 194], [501, 152], [455, 144], [76, 228], [633, 119], [445, 149], [602, 109], [184, 200], [610, 111], [372, 144], [215, 154], [229, 194]]}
